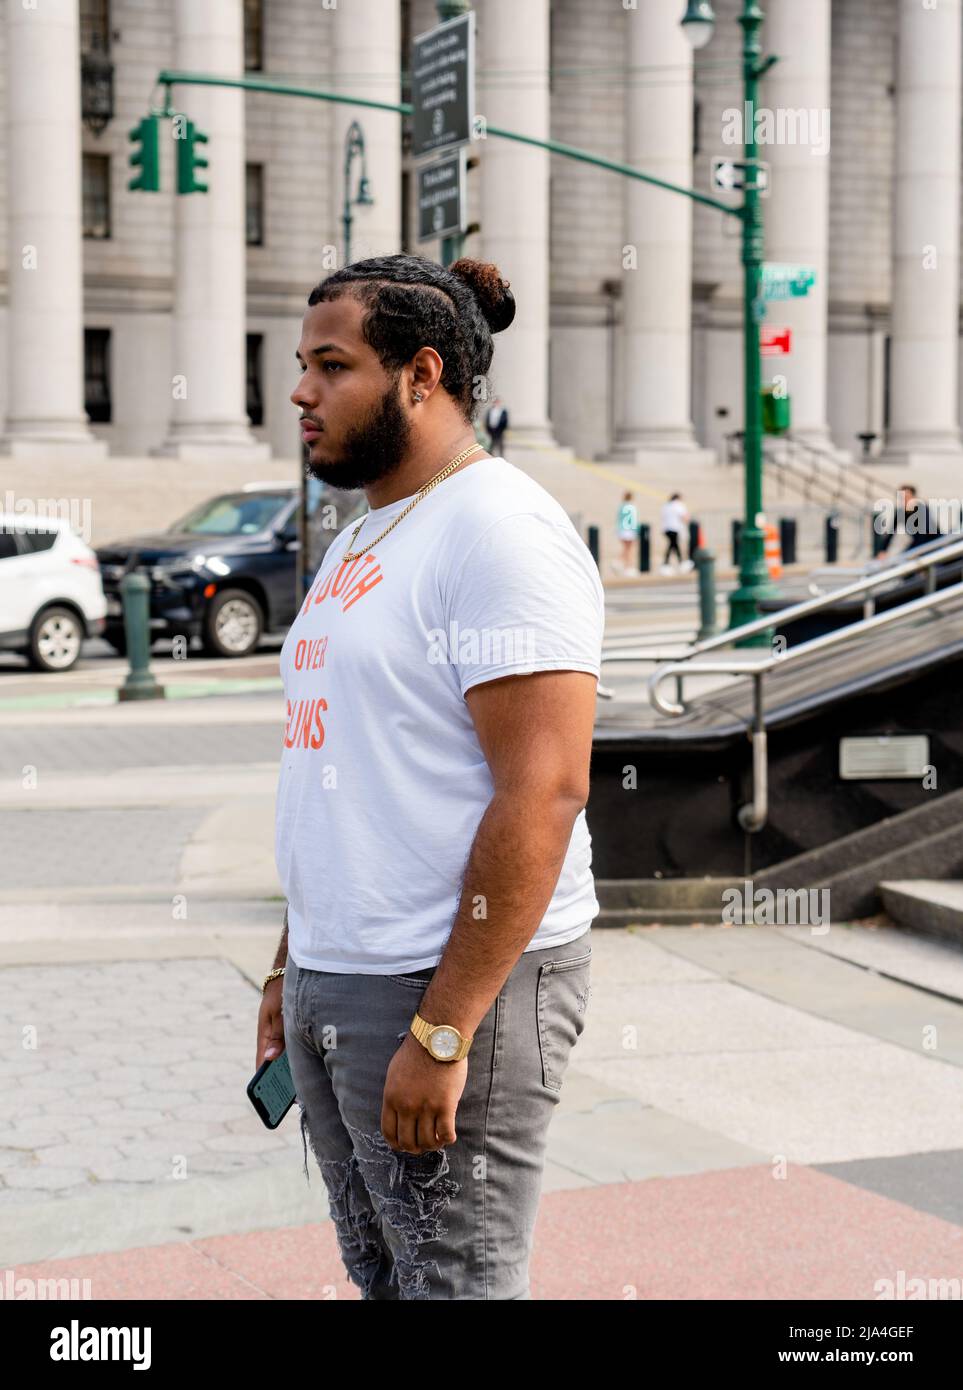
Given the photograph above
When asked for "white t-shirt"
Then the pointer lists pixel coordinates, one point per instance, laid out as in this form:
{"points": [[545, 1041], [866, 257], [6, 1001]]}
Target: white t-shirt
{"points": [[383, 781], [674, 516]]}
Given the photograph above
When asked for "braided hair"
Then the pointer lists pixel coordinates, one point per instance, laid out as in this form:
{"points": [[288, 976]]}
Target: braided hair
{"points": [[412, 303]]}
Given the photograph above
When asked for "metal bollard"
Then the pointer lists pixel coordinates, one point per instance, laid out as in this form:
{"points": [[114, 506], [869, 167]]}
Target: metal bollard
{"points": [[832, 538], [139, 683], [787, 539], [693, 539], [736, 536], [593, 542], [705, 563], [645, 547]]}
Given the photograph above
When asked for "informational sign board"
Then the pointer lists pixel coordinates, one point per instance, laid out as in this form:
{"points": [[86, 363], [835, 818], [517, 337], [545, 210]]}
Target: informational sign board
{"points": [[443, 86], [775, 342], [733, 174], [442, 196], [884, 757], [781, 281]]}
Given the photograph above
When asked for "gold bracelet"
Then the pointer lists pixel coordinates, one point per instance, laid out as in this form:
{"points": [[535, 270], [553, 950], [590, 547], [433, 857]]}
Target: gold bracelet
{"points": [[272, 975]]}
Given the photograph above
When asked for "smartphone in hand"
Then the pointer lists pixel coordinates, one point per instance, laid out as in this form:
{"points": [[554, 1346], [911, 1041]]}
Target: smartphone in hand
{"points": [[271, 1090]]}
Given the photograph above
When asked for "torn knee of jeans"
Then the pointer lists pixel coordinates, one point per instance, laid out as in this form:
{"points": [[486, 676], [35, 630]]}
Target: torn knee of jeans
{"points": [[412, 1192], [354, 1221], [304, 1139]]}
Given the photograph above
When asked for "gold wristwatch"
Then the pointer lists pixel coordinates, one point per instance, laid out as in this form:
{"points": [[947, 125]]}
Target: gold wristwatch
{"points": [[442, 1040]]}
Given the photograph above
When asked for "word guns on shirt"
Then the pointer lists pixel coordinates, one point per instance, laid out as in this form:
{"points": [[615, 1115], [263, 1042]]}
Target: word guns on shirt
{"points": [[304, 727]]}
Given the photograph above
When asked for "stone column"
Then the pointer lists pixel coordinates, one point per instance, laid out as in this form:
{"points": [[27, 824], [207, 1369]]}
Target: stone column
{"points": [[367, 41], [654, 410], [45, 349], [796, 122], [514, 38], [208, 414], [926, 235]]}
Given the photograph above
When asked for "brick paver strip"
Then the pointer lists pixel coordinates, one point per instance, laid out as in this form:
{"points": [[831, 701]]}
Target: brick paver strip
{"points": [[736, 1234]]}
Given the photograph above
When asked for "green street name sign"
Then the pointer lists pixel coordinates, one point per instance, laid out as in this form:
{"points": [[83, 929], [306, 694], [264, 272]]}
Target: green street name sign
{"points": [[781, 281]]}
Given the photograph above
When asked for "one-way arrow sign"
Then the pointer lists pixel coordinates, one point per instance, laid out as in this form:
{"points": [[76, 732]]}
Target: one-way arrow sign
{"points": [[732, 174]]}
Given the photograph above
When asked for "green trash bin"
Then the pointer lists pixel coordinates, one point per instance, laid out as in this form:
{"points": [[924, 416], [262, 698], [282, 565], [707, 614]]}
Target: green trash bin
{"points": [[775, 411]]}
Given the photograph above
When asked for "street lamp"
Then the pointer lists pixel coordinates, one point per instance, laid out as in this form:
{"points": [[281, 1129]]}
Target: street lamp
{"points": [[698, 23], [354, 149], [754, 581]]}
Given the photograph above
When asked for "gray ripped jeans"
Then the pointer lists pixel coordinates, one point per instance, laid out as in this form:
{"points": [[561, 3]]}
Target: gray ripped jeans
{"points": [[454, 1223]]}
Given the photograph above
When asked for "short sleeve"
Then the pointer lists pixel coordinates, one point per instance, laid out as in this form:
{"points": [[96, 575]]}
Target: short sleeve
{"points": [[526, 597]]}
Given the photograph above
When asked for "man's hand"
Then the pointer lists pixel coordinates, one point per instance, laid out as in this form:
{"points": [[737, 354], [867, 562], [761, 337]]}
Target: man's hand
{"points": [[270, 1023], [420, 1099]]}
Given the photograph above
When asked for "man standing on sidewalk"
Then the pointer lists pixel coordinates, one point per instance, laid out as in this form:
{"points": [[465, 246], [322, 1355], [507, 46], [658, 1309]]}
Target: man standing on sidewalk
{"points": [[496, 423], [431, 838]]}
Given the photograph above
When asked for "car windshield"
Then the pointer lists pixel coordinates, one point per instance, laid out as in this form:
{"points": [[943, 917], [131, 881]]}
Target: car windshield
{"points": [[235, 514]]}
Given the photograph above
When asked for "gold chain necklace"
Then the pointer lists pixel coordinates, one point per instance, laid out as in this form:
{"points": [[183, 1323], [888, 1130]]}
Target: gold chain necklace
{"points": [[422, 491]]}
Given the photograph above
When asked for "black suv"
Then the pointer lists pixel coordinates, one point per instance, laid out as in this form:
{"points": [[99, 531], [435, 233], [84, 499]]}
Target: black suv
{"points": [[226, 572]]}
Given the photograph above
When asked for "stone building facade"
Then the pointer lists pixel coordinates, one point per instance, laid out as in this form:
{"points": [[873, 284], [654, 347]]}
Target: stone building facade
{"points": [[146, 324]]}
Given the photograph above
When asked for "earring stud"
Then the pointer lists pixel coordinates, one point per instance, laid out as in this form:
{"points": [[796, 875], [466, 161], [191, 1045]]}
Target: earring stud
{"points": [[417, 395]]}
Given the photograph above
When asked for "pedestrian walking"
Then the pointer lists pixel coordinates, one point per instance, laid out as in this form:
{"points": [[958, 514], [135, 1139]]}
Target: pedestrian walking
{"points": [[627, 529], [496, 422], [674, 519], [440, 681]]}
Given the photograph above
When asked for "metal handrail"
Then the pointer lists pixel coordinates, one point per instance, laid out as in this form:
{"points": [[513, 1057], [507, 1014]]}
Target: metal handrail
{"points": [[782, 658], [753, 815], [924, 558], [882, 563], [874, 487]]}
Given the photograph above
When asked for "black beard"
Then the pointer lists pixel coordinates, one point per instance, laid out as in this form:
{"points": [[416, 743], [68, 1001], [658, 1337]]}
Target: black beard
{"points": [[371, 450]]}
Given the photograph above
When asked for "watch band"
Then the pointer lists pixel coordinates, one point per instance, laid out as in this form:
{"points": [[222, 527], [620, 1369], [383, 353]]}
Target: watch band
{"points": [[423, 1032]]}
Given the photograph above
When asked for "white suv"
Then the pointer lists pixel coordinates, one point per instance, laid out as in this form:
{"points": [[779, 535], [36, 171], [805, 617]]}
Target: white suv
{"points": [[51, 596]]}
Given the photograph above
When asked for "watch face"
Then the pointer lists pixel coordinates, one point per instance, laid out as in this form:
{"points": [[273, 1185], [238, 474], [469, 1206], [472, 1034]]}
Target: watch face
{"points": [[444, 1043]]}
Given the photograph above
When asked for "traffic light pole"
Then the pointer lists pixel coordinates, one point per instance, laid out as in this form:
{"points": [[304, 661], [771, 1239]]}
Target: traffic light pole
{"points": [[754, 581]]}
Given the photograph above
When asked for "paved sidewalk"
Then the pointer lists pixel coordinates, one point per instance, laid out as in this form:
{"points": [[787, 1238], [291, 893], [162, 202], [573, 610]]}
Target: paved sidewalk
{"points": [[751, 1112], [748, 1114]]}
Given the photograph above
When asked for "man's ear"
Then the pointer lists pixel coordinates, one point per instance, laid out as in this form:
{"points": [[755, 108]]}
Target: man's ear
{"points": [[425, 370]]}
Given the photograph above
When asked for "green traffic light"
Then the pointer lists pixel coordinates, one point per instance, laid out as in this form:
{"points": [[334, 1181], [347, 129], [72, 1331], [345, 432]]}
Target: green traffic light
{"points": [[189, 161], [145, 156]]}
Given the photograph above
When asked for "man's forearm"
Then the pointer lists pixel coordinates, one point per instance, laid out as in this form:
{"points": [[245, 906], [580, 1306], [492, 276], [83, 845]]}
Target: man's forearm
{"points": [[513, 868], [281, 958]]}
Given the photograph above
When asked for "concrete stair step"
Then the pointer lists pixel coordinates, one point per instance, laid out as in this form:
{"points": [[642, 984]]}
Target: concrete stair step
{"points": [[822, 865], [653, 916], [664, 894], [933, 907], [855, 892]]}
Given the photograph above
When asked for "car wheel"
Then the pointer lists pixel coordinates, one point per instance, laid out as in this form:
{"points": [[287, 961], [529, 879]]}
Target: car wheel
{"points": [[55, 640], [232, 624]]}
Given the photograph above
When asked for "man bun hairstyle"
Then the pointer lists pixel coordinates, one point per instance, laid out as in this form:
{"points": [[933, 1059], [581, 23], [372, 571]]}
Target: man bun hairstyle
{"points": [[412, 303], [492, 292]]}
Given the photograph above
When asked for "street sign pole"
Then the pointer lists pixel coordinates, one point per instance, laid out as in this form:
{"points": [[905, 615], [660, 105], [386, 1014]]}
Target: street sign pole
{"points": [[452, 246], [442, 98], [754, 582]]}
